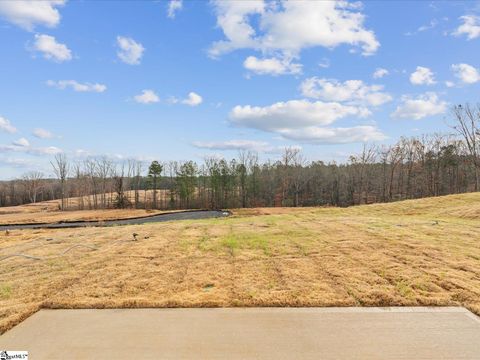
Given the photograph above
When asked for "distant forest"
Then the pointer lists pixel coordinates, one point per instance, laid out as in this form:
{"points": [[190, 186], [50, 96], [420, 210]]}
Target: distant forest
{"points": [[416, 167]]}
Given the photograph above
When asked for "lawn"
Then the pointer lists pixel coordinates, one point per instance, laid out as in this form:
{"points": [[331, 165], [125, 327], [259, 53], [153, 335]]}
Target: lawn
{"points": [[418, 252]]}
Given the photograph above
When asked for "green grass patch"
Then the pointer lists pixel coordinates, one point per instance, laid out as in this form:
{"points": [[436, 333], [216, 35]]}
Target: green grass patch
{"points": [[5, 291], [246, 241]]}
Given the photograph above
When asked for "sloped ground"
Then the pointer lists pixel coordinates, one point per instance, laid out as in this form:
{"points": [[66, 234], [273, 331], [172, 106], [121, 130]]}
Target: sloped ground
{"points": [[421, 252]]}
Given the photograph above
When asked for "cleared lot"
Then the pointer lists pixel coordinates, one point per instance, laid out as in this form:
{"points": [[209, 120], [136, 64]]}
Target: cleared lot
{"points": [[411, 253]]}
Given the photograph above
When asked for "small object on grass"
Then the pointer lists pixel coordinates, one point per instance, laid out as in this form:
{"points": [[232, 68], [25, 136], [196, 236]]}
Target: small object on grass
{"points": [[435, 222], [147, 237], [208, 287], [49, 239], [7, 232], [135, 236]]}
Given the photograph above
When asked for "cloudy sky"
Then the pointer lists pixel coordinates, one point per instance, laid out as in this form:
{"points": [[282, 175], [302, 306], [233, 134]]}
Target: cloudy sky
{"points": [[173, 80]]}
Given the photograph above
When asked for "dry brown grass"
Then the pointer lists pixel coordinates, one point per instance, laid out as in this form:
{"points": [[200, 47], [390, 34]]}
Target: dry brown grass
{"points": [[423, 252]]}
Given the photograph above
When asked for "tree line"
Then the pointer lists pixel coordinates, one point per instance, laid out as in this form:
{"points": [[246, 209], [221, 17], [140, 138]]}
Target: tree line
{"points": [[415, 167]]}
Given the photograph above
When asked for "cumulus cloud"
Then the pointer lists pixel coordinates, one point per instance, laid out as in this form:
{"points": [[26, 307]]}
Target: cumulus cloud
{"points": [[173, 7], [232, 18], [310, 24], [293, 114], [130, 51], [422, 76], [233, 145], [466, 73], [6, 125], [42, 133], [21, 142], [470, 27], [76, 86], [306, 121], [424, 105], [380, 73], [193, 99], [147, 97], [271, 66], [29, 13], [51, 49], [353, 91]]}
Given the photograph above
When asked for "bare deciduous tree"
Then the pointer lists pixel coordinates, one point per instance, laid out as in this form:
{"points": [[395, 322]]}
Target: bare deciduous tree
{"points": [[60, 168], [33, 183], [467, 124]]}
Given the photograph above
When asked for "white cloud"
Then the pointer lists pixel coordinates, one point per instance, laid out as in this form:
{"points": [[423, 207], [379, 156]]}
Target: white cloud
{"points": [[50, 150], [424, 105], [249, 145], [449, 84], [470, 27], [76, 86], [432, 24], [147, 97], [293, 114], [422, 76], [325, 63], [173, 100], [380, 73], [51, 49], [22, 142], [193, 99], [271, 66], [354, 91], [86, 154], [6, 126], [233, 145], [340, 135], [466, 73], [173, 7], [42, 133], [310, 24], [130, 51], [17, 162], [232, 18], [29, 13]]}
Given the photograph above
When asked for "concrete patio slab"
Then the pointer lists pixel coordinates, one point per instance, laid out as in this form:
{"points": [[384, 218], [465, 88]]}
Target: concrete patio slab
{"points": [[249, 333]]}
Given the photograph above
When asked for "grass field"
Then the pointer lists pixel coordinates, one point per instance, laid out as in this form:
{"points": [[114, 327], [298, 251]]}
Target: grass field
{"points": [[419, 252]]}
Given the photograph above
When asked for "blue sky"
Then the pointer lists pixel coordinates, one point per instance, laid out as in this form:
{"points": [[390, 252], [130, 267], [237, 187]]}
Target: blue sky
{"points": [[184, 80]]}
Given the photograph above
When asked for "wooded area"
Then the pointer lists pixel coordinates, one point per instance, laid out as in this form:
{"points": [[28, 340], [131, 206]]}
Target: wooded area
{"points": [[416, 167]]}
